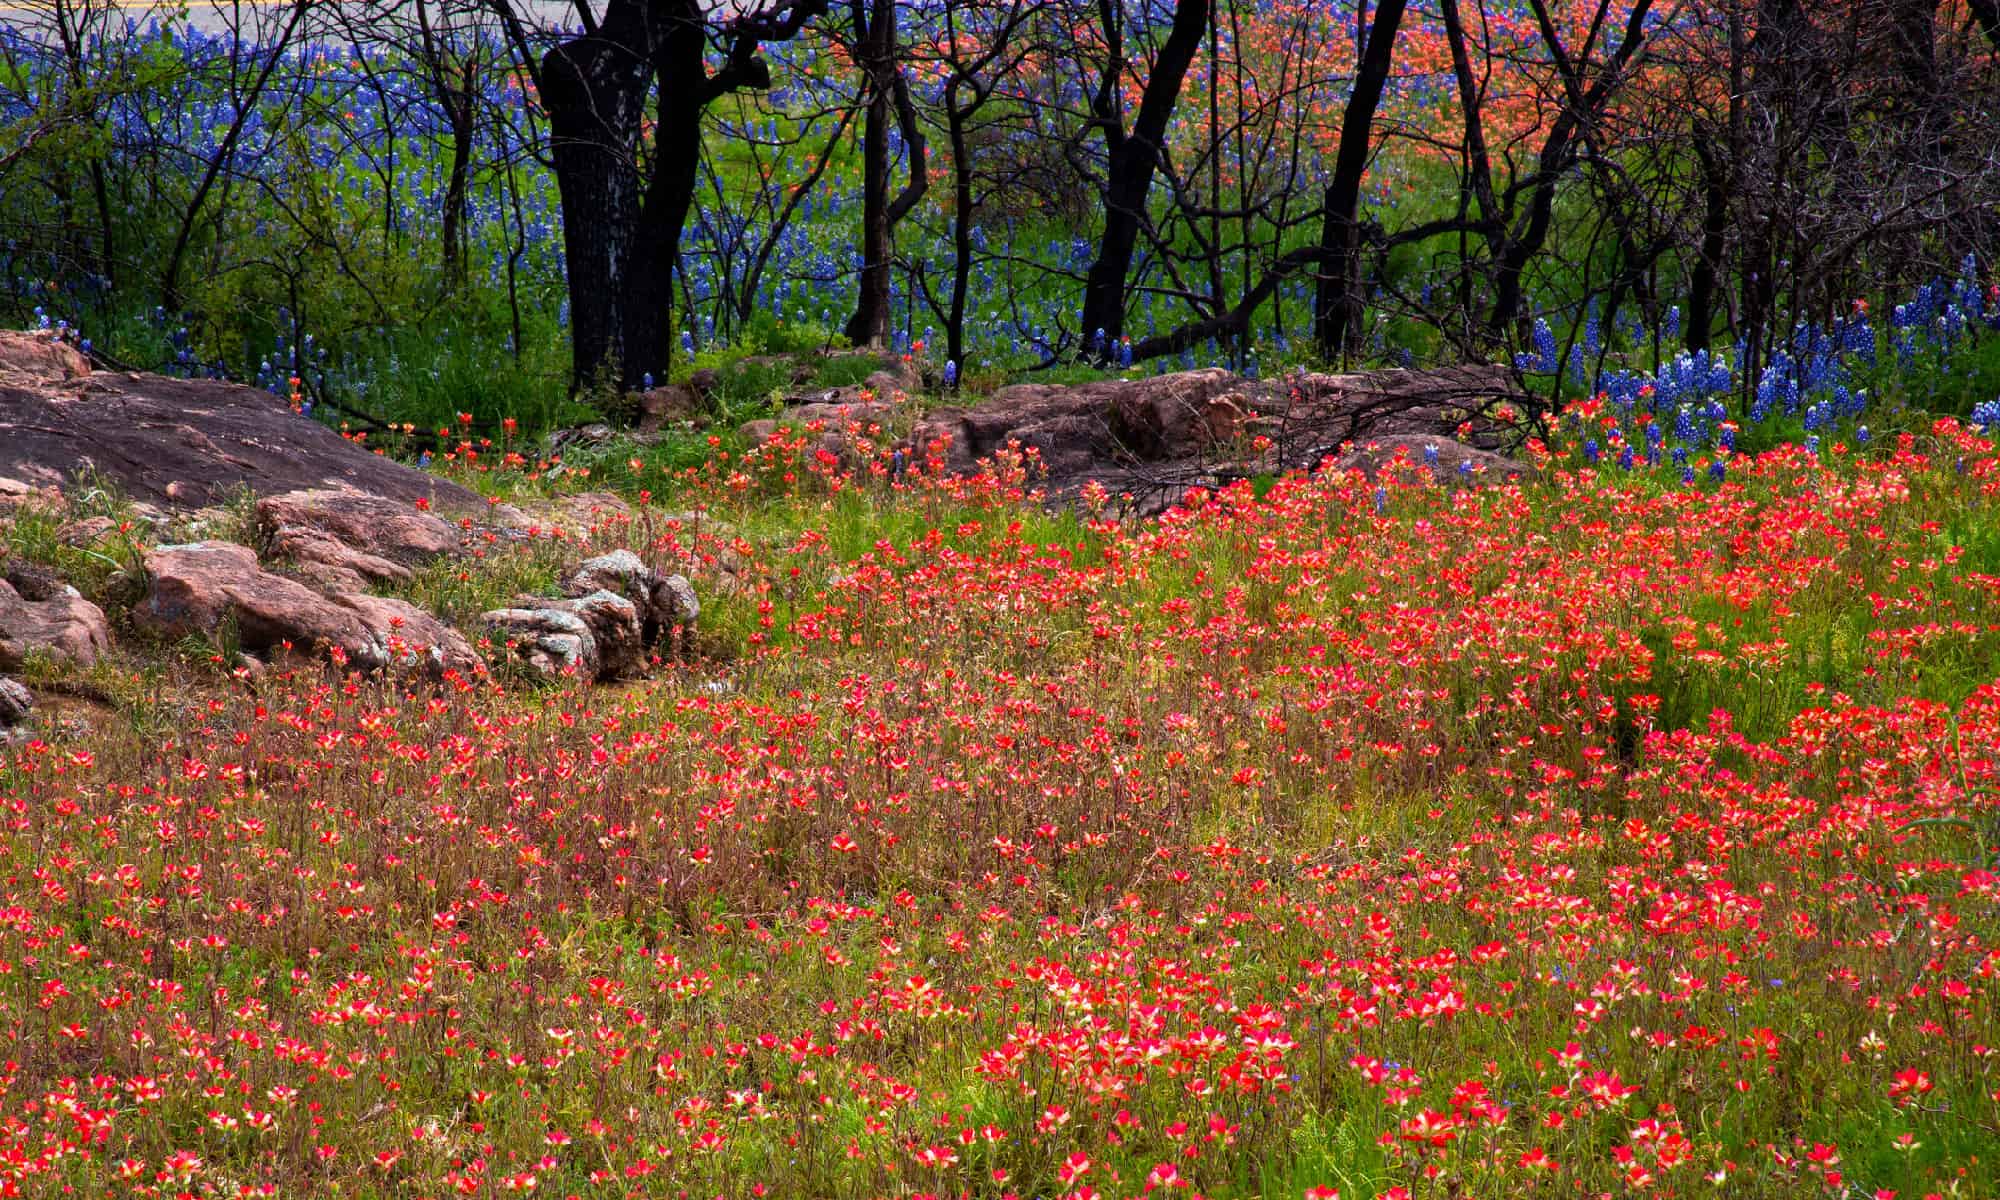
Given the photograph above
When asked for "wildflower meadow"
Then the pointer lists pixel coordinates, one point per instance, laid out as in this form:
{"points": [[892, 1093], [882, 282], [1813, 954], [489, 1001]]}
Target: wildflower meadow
{"points": [[1594, 834], [1614, 815]]}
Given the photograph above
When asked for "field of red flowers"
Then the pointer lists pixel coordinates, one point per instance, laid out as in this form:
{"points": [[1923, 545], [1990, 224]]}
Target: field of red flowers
{"points": [[1583, 836]]}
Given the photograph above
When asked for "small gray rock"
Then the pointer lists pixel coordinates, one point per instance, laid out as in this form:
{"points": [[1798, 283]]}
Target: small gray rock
{"points": [[16, 702], [664, 603]]}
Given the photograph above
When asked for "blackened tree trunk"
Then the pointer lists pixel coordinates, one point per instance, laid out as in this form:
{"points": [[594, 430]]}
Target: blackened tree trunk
{"points": [[594, 89], [1582, 107], [623, 210], [887, 93], [685, 89], [1778, 65], [1912, 33], [875, 45], [452, 72], [1132, 157], [1708, 264], [1478, 160], [459, 113], [963, 204], [1337, 299], [973, 69]]}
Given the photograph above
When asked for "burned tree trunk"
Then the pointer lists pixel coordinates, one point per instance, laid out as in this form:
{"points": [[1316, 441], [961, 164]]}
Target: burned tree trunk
{"points": [[1132, 158], [1337, 299], [875, 45], [594, 89], [623, 210], [880, 213]]}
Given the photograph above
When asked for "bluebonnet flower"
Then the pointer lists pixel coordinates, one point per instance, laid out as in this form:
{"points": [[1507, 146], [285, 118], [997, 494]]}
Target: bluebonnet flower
{"points": [[951, 373], [1544, 358]]}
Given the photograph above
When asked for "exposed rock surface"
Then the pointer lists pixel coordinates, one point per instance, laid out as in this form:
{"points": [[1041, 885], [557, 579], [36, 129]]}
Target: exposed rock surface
{"points": [[665, 603], [86, 532], [204, 587], [550, 641], [178, 443], [1153, 438], [346, 540], [1414, 458], [677, 402], [54, 621], [16, 494], [597, 636], [32, 580], [617, 609], [198, 588], [16, 702], [412, 639], [33, 356]]}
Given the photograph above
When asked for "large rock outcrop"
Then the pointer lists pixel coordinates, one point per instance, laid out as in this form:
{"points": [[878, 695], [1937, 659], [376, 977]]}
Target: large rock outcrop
{"points": [[1421, 458], [412, 639], [346, 541], [178, 444], [206, 588], [1153, 438]]}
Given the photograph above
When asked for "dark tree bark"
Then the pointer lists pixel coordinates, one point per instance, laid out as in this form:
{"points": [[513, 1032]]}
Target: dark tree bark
{"points": [[1582, 106], [1337, 298], [974, 63], [623, 212], [1708, 263], [1912, 34], [213, 170], [594, 89], [963, 205], [1478, 160], [1775, 65], [1133, 156], [455, 85], [876, 45]]}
